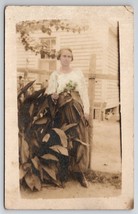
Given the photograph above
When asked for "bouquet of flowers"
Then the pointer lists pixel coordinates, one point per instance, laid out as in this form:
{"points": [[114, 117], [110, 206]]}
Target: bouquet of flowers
{"points": [[70, 86]]}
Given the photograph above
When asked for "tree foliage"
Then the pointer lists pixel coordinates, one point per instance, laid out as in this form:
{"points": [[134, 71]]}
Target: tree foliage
{"points": [[27, 28]]}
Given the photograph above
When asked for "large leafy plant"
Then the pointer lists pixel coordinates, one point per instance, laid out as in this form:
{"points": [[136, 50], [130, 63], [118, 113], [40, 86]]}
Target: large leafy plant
{"points": [[44, 150]]}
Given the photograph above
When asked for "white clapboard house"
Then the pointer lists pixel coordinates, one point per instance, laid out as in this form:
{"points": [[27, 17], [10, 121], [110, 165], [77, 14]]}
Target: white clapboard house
{"points": [[96, 53]]}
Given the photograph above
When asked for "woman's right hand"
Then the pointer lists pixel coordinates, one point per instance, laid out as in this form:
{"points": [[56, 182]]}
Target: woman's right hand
{"points": [[55, 96]]}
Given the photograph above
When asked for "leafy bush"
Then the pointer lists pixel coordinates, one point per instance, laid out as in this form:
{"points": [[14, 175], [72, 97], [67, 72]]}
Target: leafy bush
{"points": [[43, 148]]}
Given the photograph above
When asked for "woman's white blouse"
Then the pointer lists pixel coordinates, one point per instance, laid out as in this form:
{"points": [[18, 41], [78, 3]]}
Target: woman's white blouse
{"points": [[57, 83]]}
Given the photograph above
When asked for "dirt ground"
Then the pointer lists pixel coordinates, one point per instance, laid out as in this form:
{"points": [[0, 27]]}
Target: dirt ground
{"points": [[106, 154], [74, 190], [104, 178]]}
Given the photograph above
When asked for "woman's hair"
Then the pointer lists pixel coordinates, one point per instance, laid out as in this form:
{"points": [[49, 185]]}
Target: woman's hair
{"points": [[63, 49]]}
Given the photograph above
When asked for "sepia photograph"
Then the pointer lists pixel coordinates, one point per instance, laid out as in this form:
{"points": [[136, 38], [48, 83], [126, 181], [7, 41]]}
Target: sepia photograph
{"points": [[69, 107]]}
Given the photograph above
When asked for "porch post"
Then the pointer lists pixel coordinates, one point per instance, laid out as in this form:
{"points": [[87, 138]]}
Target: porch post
{"points": [[91, 84]]}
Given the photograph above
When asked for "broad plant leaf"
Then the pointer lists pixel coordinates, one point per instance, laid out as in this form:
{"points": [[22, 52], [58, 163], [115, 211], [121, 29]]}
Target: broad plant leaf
{"points": [[41, 173], [22, 172], [36, 162], [46, 177], [33, 181], [39, 93], [46, 138], [59, 149], [66, 127], [70, 145], [49, 157], [26, 166], [34, 142], [31, 109], [80, 141], [41, 121], [80, 154], [25, 88], [24, 151], [43, 106], [50, 171], [63, 102], [62, 136]]}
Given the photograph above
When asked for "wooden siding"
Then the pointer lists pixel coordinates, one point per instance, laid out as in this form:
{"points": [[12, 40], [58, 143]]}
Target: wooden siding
{"points": [[101, 42], [23, 56], [112, 89], [83, 45]]}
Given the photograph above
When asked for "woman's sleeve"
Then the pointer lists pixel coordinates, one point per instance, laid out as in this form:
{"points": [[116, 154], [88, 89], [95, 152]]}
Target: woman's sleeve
{"points": [[83, 90], [51, 84]]}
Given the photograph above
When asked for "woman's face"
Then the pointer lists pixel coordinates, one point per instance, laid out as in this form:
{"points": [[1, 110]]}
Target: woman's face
{"points": [[65, 58]]}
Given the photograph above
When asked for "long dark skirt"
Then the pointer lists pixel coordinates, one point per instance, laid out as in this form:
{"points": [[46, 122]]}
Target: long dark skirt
{"points": [[70, 111]]}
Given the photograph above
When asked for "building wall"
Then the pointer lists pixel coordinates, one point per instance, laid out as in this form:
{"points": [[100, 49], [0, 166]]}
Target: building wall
{"points": [[101, 42], [25, 58], [112, 86]]}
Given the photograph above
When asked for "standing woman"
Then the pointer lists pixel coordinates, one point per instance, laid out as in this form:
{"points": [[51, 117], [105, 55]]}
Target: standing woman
{"points": [[68, 91]]}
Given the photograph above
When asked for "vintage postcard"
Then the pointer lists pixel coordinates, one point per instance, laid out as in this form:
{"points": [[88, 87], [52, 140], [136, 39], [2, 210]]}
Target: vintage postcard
{"points": [[69, 107]]}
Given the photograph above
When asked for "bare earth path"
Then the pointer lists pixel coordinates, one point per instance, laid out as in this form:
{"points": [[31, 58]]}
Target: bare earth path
{"points": [[74, 190]]}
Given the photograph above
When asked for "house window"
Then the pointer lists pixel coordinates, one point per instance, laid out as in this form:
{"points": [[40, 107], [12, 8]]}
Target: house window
{"points": [[48, 48]]}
